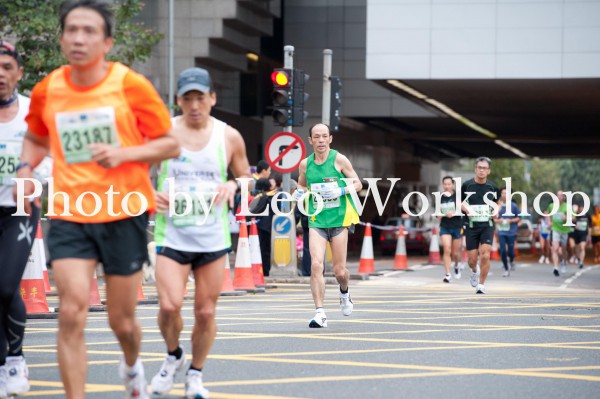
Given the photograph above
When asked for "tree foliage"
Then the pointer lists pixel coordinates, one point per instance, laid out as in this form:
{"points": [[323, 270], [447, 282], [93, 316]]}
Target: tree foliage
{"points": [[34, 24], [547, 175]]}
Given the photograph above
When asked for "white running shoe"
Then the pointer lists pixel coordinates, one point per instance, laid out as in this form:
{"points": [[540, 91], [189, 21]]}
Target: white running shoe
{"points": [[480, 289], [319, 321], [547, 261], [542, 258], [163, 381], [563, 269], [506, 273], [136, 386], [193, 385], [474, 280], [512, 266], [346, 304], [17, 376], [447, 278], [3, 393]]}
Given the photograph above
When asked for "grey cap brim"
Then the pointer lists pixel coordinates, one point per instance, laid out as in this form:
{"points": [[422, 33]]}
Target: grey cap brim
{"points": [[193, 86]]}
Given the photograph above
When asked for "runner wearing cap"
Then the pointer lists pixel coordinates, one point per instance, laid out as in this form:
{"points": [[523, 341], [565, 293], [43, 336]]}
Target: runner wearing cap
{"points": [[200, 240], [17, 233], [103, 124]]}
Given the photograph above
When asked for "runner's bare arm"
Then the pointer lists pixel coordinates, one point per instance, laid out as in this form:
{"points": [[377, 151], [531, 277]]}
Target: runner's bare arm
{"points": [[238, 164], [302, 175], [154, 150], [346, 168]]}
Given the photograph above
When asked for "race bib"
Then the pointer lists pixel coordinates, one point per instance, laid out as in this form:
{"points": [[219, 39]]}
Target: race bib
{"points": [[447, 207], [318, 188], [10, 151], [77, 130], [581, 225], [481, 213], [503, 226], [194, 212]]}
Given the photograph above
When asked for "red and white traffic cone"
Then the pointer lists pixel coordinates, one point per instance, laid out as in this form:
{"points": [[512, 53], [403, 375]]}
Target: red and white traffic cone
{"points": [[434, 249], [38, 256], [94, 298], [367, 262], [227, 285], [33, 290], [400, 260], [242, 274], [255, 256]]}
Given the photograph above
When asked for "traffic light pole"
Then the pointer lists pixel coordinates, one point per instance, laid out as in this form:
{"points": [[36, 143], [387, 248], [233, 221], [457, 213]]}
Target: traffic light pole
{"points": [[327, 56], [288, 62]]}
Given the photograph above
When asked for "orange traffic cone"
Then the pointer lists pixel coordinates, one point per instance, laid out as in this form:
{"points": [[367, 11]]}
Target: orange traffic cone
{"points": [[33, 290], [142, 299], [242, 274], [400, 260], [227, 286], [367, 263], [255, 257], [494, 254], [38, 254], [434, 249], [95, 304]]}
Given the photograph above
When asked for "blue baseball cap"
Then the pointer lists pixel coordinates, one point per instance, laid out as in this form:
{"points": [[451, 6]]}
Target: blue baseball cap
{"points": [[194, 79]]}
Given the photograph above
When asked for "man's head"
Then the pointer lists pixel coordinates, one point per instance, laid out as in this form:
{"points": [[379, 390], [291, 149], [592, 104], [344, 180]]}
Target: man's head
{"points": [[11, 70], [448, 184], [263, 169], [482, 167], [319, 136], [86, 31], [195, 95], [561, 196]]}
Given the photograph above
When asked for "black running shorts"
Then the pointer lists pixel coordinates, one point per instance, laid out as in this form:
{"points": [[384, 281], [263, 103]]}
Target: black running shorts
{"points": [[476, 235], [121, 246], [196, 259]]}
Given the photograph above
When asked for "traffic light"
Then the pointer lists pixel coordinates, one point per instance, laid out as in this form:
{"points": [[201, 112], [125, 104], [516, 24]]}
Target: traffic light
{"points": [[282, 96], [336, 103], [299, 97]]}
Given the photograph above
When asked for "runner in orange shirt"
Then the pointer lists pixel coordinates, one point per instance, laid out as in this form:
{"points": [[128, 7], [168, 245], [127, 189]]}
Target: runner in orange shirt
{"points": [[103, 124]]}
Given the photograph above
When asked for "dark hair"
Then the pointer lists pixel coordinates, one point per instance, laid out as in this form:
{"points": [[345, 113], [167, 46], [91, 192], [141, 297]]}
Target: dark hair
{"points": [[262, 185], [100, 6], [313, 126], [502, 188], [262, 165], [447, 177], [11, 50], [483, 159]]}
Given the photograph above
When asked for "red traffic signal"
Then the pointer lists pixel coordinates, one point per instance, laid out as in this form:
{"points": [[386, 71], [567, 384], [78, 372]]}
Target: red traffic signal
{"points": [[280, 78]]}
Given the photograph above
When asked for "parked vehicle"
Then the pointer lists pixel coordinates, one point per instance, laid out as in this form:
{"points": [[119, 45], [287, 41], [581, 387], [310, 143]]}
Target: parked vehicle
{"points": [[416, 237], [525, 232]]}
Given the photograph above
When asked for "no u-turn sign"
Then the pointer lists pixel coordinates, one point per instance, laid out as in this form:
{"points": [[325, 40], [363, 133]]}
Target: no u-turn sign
{"points": [[284, 151]]}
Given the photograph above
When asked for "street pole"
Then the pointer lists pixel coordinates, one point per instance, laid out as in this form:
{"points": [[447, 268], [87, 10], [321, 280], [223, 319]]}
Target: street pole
{"points": [[286, 241], [170, 67], [288, 62], [327, 56]]}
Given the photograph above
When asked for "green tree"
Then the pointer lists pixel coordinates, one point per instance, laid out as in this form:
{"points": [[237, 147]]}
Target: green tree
{"points": [[34, 24], [579, 175]]}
